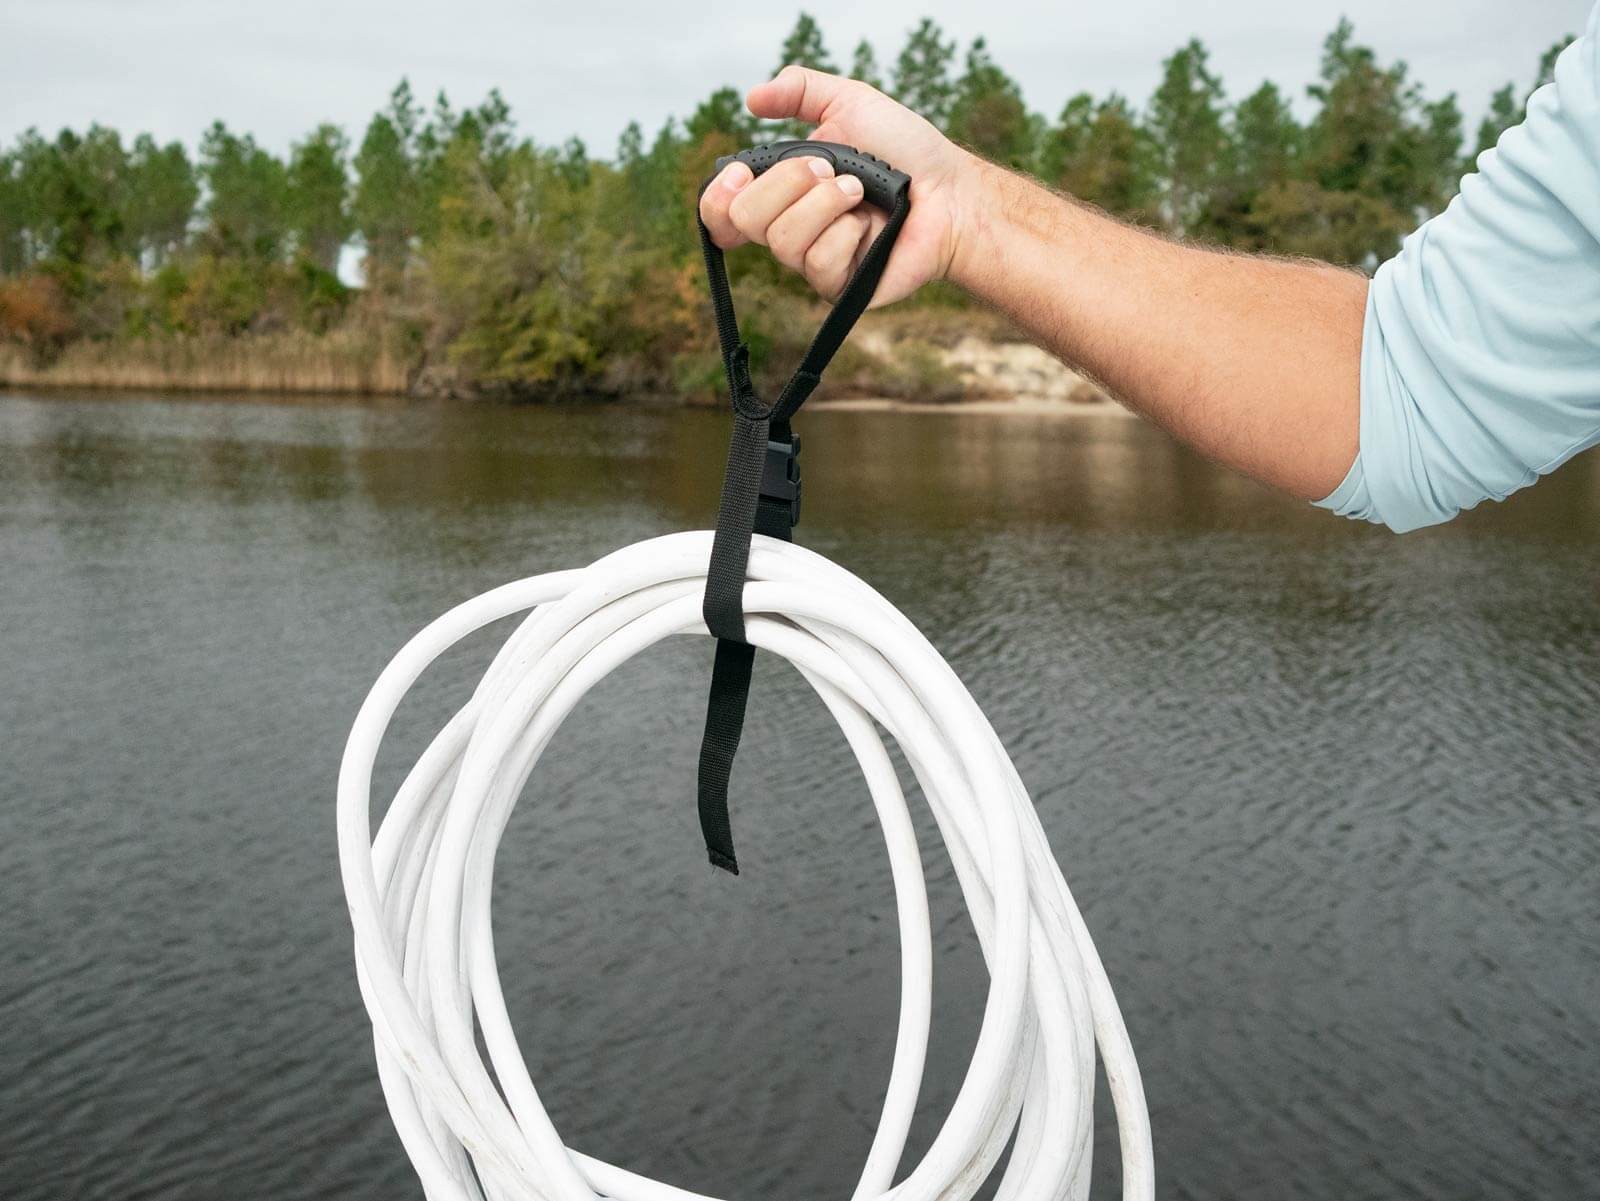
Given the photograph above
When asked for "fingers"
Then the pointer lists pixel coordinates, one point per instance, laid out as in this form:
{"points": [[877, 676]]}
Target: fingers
{"points": [[792, 232], [793, 201], [799, 92], [718, 198], [833, 255], [737, 208], [808, 217], [759, 205]]}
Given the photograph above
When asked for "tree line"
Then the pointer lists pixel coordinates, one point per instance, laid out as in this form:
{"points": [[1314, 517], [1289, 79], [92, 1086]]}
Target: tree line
{"points": [[540, 266]]}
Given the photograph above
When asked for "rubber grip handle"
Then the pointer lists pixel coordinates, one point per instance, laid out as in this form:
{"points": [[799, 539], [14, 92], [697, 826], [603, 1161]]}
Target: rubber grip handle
{"points": [[881, 184]]}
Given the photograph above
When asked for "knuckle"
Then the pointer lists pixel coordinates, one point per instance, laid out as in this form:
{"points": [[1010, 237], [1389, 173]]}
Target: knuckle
{"points": [[796, 172], [821, 259], [712, 210], [825, 273], [784, 242], [741, 218], [827, 284]]}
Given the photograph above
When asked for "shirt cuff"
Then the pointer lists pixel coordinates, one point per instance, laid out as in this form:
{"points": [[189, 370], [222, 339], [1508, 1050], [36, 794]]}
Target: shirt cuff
{"points": [[1351, 498]]}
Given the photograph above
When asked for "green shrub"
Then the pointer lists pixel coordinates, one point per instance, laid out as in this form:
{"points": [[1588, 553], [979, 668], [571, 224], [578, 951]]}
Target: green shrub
{"points": [[223, 295]]}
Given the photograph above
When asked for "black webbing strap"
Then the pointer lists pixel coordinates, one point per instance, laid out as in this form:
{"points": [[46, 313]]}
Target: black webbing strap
{"points": [[760, 494]]}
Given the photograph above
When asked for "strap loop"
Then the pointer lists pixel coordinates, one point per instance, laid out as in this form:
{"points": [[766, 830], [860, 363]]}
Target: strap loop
{"points": [[760, 494], [741, 389]]}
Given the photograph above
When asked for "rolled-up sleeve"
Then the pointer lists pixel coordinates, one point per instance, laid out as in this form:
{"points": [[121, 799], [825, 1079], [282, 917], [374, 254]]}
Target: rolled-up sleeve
{"points": [[1480, 358]]}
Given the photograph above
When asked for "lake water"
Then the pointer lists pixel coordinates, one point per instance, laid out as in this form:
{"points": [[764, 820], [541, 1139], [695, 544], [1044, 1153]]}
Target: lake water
{"points": [[1327, 797]]}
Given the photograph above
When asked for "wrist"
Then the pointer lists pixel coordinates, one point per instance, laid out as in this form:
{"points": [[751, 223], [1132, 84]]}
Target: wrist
{"points": [[976, 212]]}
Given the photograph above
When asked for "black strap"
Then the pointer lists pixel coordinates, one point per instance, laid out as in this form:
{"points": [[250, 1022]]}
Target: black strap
{"points": [[760, 494]]}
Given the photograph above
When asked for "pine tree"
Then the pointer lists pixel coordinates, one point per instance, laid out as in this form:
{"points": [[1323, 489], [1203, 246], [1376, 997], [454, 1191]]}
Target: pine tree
{"points": [[987, 112], [1378, 158], [804, 47], [922, 73], [319, 195], [1262, 148], [1431, 150], [384, 205], [572, 162], [1265, 141], [864, 65], [247, 205], [1362, 110], [1098, 153], [630, 147], [26, 220], [162, 194], [1547, 62], [1504, 112], [13, 216], [1504, 108], [1186, 124], [721, 113], [1376, 135]]}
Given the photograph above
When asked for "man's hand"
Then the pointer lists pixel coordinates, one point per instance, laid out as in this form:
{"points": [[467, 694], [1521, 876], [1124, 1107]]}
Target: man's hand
{"points": [[815, 223]]}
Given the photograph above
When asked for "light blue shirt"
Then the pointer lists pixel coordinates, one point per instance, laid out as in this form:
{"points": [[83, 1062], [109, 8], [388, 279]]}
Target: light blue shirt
{"points": [[1480, 356]]}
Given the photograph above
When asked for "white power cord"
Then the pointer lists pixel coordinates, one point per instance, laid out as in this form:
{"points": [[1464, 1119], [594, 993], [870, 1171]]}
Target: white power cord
{"points": [[419, 893]]}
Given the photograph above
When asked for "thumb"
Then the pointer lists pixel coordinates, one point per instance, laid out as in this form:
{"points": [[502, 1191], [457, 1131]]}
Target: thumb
{"points": [[798, 92]]}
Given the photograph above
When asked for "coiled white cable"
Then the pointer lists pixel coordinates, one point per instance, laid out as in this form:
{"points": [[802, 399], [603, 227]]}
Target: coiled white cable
{"points": [[419, 893]]}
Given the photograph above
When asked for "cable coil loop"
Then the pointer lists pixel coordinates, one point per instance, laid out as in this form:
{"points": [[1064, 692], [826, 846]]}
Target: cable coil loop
{"points": [[419, 893]]}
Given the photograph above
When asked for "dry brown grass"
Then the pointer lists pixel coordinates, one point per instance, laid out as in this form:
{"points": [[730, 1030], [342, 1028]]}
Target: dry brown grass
{"points": [[350, 361]]}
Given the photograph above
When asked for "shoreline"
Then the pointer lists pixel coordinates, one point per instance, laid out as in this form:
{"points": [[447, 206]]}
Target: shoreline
{"points": [[995, 406], [971, 372]]}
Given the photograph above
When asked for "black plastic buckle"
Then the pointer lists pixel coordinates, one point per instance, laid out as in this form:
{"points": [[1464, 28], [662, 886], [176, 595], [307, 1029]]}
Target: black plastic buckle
{"points": [[780, 476]]}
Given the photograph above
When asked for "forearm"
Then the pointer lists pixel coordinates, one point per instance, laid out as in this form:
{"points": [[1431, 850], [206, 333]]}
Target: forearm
{"points": [[1254, 361]]}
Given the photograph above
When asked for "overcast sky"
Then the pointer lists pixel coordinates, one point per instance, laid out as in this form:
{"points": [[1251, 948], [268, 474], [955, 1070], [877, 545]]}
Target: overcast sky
{"points": [[278, 67]]}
